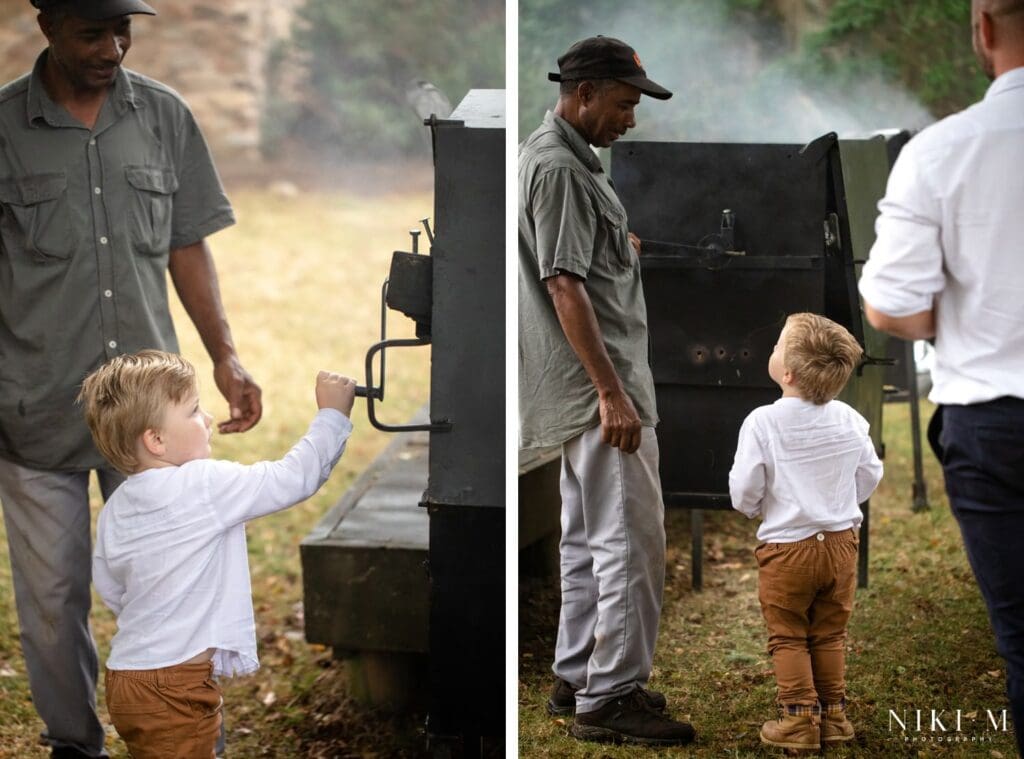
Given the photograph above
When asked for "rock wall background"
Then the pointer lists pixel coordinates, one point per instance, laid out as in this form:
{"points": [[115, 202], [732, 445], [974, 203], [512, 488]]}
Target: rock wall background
{"points": [[214, 53]]}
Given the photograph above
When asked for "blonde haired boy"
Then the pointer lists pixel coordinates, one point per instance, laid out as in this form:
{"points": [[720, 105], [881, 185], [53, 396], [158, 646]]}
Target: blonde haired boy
{"points": [[804, 464], [170, 557]]}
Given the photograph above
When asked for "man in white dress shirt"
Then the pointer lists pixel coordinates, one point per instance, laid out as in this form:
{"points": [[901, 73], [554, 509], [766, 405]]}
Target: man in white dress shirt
{"points": [[948, 263]]}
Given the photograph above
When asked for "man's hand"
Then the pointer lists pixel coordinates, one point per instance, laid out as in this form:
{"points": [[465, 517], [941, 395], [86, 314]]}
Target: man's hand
{"points": [[635, 242], [620, 424], [335, 391], [244, 397]]}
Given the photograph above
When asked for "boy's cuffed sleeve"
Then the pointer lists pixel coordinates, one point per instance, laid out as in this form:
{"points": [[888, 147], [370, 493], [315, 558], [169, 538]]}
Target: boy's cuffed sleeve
{"points": [[869, 472], [747, 478], [238, 493]]}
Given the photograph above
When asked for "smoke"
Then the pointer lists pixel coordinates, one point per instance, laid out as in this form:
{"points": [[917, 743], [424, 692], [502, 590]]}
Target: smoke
{"points": [[732, 82]]}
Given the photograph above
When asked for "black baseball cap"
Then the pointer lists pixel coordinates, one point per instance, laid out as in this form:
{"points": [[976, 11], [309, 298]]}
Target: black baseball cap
{"points": [[606, 58], [97, 10]]}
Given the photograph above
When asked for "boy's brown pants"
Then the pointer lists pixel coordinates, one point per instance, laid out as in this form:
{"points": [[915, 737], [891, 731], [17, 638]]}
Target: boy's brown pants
{"points": [[169, 712], [806, 592]]}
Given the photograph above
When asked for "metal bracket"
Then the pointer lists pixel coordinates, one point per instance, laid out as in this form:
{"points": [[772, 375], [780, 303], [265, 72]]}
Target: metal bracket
{"points": [[819, 148], [376, 393], [833, 238], [433, 122], [872, 361]]}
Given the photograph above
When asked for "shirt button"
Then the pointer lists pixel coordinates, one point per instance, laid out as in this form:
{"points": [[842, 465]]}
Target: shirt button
{"points": [[821, 536], [112, 343], [92, 141], [97, 190], [108, 293], [103, 240]]}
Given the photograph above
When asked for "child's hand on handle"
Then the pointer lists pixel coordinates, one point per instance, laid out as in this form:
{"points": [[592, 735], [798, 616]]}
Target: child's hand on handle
{"points": [[335, 391]]}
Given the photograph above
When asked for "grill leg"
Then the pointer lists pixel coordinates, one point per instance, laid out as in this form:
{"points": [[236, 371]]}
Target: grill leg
{"points": [[862, 557], [918, 493], [697, 548]]}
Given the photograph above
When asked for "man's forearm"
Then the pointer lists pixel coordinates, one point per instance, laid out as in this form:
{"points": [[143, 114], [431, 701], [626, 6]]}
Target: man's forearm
{"points": [[919, 326], [579, 323], [195, 280], [620, 423]]}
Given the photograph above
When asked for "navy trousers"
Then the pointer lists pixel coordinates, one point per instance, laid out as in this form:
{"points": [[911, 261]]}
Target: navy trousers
{"points": [[981, 447]]}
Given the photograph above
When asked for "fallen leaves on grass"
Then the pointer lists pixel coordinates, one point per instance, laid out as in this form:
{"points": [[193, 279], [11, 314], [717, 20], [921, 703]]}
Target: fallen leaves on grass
{"points": [[339, 728]]}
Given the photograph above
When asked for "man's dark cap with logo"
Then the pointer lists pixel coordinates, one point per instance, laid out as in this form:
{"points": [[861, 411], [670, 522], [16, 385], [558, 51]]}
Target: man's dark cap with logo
{"points": [[97, 10], [606, 58]]}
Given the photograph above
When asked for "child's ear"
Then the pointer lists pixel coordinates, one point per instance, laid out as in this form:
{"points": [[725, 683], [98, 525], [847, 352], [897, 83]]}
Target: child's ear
{"points": [[153, 443], [788, 377]]}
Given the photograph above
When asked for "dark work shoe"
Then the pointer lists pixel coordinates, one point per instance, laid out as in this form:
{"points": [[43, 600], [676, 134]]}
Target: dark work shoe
{"points": [[630, 719], [654, 699], [562, 700], [69, 752]]}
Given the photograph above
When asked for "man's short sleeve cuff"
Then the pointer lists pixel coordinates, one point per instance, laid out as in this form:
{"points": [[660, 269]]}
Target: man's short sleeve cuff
{"points": [[199, 232], [564, 224], [575, 268]]}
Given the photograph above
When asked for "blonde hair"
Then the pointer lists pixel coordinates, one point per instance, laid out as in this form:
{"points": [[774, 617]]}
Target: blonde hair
{"points": [[127, 396], [821, 355]]}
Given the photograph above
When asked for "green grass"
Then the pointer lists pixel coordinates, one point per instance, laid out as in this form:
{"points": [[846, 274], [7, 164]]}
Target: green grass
{"points": [[919, 637], [301, 282]]}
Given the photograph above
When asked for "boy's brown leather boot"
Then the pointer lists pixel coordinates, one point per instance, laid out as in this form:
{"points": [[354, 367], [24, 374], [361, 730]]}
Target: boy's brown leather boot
{"points": [[835, 727], [797, 728]]}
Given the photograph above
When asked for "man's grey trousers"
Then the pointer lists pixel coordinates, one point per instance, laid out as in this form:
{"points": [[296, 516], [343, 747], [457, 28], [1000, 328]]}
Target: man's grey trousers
{"points": [[613, 567], [47, 518]]}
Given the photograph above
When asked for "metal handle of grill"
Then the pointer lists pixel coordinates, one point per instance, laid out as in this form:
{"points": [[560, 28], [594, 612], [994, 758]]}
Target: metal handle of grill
{"points": [[377, 393], [368, 391], [374, 393]]}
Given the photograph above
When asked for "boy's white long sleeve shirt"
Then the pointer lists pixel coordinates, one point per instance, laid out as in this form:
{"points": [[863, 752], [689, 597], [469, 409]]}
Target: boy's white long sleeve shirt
{"points": [[803, 468], [170, 557]]}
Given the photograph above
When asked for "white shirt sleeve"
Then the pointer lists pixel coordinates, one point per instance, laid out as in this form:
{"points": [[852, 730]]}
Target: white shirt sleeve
{"points": [[110, 589], [239, 493], [904, 271], [869, 472], [747, 478]]}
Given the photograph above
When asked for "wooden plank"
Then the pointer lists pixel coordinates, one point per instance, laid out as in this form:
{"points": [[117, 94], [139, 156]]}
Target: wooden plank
{"points": [[365, 580]]}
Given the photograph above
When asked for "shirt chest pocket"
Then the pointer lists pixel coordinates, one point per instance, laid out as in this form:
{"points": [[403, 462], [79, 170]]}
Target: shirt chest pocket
{"points": [[151, 206], [35, 217], [620, 252]]}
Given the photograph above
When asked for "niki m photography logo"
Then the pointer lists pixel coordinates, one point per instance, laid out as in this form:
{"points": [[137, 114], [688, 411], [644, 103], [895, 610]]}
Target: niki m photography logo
{"points": [[949, 725]]}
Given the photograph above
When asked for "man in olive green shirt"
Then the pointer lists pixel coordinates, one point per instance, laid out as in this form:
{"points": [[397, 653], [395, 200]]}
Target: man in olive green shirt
{"points": [[585, 384], [106, 183]]}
